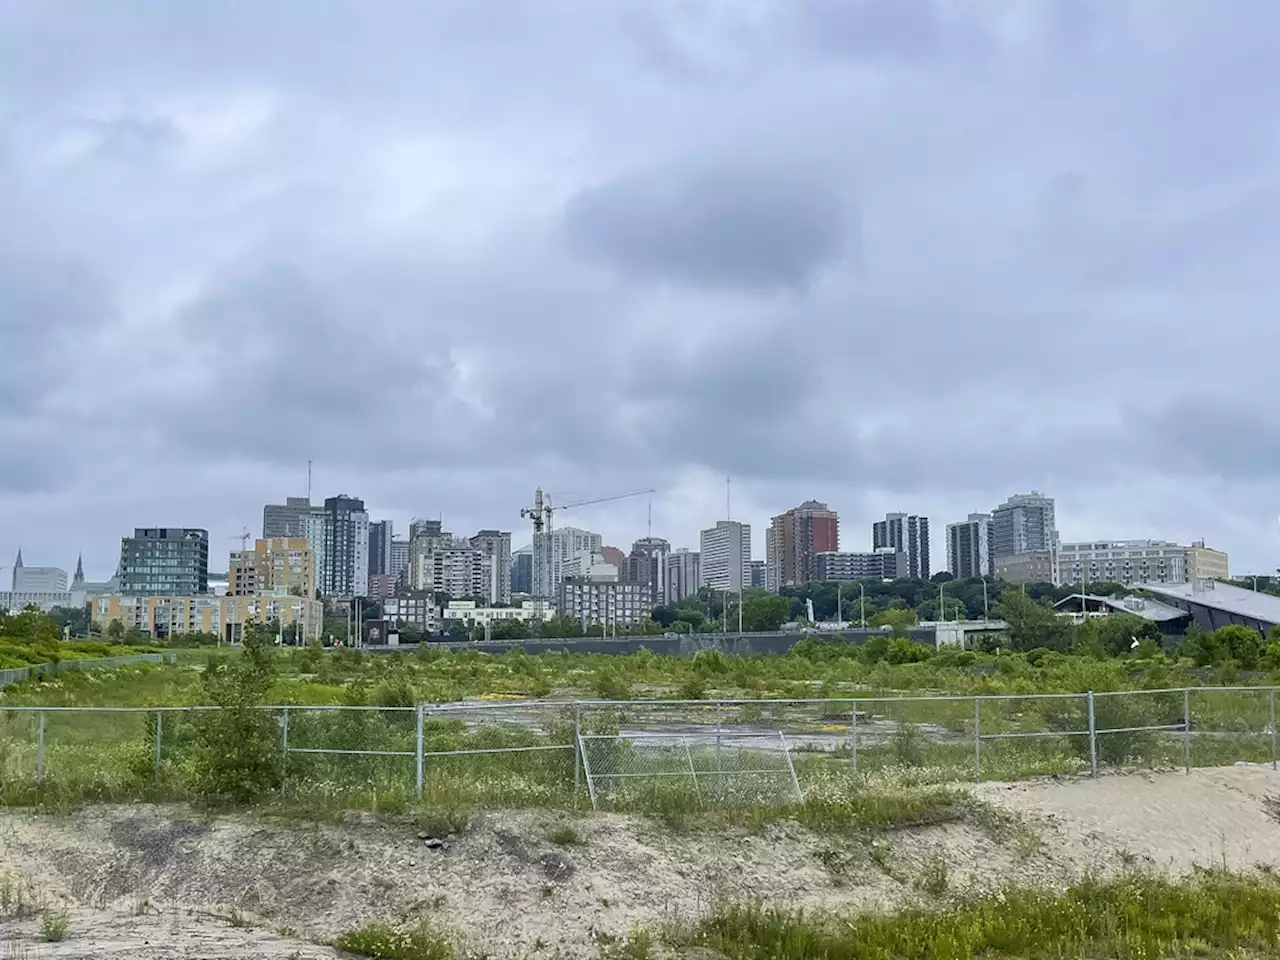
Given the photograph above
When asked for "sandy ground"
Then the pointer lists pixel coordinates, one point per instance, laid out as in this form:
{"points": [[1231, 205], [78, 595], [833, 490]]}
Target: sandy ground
{"points": [[156, 883]]}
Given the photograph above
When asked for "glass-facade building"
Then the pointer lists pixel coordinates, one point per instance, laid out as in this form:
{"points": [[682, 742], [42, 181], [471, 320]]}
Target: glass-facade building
{"points": [[164, 562]]}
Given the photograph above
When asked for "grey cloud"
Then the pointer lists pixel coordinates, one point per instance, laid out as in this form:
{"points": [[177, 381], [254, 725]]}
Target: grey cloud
{"points": [[843, 256], [731, 224], [888, 29]]}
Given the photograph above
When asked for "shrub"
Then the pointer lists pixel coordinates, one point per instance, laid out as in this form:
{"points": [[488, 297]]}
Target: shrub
{"points": [[237, 752], [53, 926]]}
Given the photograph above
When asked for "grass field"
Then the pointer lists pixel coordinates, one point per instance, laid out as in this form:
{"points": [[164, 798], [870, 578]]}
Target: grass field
{"points": [[905, 732]]}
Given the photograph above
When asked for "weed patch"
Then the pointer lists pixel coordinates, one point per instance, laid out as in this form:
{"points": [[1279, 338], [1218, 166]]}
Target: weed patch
{"points": [[383, 942], [1136, 916]]}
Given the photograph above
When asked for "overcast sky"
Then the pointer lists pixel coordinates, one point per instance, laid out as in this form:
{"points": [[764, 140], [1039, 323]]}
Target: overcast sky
{"points": [[891, 254]]}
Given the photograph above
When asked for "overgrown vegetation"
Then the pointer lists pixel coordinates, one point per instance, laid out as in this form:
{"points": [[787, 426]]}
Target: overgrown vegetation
{"points": [[1138, 916]]}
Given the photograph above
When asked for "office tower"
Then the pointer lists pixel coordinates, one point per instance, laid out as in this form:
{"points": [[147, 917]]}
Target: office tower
{"points": [[164, 561], [908, 533], [647, 563], [1023, 523], [522, 570], [345, 570], [725, 562], [969, 547], [380, 537], [684, 572]]}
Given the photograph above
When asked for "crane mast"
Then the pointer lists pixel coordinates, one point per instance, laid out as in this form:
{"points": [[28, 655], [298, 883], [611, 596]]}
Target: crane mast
{"points": [[542, 513]]}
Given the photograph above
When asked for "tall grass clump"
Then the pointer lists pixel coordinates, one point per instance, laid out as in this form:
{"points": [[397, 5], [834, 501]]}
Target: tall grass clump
{"points": [[1136, 916], [383, 942]]}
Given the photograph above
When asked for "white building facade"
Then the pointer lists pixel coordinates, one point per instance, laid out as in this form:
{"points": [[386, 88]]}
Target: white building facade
{"points": [[725, 561]]}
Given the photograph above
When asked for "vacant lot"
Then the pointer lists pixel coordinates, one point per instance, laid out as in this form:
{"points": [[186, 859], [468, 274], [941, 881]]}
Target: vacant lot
{"points": [[168, 881]]}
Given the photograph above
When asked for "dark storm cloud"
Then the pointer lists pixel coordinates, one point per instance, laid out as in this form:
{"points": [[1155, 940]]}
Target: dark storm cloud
{"points": [[882, 251], [721, 224]]}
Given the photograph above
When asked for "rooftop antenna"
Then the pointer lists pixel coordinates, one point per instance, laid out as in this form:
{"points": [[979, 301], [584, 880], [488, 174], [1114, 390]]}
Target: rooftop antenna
{"points": [[308, 481], [650, 533], [728, 498]]}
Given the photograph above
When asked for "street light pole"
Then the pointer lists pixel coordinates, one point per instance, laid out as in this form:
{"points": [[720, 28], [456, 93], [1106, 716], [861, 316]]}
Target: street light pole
{"points": [[862, 604], [986, 612], [839, 607]]}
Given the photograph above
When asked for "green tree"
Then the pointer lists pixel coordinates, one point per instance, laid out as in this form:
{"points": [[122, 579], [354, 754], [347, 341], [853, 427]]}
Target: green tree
{"points": [[237, 750], [898, 621], [765, 613], [1033, 625], [115, 631]]}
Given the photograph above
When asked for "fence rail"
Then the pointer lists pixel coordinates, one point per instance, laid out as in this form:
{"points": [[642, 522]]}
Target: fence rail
{"points": [[628, 752], [22, 674]]}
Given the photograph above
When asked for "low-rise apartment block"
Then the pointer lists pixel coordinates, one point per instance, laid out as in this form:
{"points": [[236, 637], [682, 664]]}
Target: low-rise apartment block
{"points": [[226, 617]]}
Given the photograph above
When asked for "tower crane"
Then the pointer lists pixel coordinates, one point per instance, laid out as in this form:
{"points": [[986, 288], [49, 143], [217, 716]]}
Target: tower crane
{"points": [[244, 536], [542, 513]]}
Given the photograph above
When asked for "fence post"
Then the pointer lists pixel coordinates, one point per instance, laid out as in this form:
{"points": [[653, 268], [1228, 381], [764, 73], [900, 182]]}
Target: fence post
{"points": [[853, 737], [40, 748], [417, 756], [159, 737], [977, 738], [1273, 728], [1186, 729], [719, 763], [1093, 740], [577, 751], [284, 743]]}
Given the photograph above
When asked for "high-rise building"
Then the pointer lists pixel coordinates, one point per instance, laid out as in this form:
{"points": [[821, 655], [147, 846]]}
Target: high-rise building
{"points": [[684, 573], [164, 561], [522, 570], [886, 563], [38, 579], [725, 561], [399, 558], [908, 533], [285, 519], [1022, 524], [793, 540], [969, 547], [495, 545], [648, 563], [608, 603], [558, 546], [453, 566], [281, 565], [345, 571], [758, 577], [380, 537]]}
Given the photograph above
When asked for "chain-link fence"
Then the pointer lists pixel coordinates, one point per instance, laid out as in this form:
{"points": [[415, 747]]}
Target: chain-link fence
{"points": [[636, 754]]}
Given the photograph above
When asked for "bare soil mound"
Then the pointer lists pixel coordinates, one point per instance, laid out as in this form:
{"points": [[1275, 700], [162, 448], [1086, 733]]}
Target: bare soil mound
{"points": [[161, 882]]}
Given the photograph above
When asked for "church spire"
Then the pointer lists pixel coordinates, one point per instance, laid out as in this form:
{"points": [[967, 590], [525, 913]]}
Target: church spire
{"points": [[17, 564], [78, 579]]}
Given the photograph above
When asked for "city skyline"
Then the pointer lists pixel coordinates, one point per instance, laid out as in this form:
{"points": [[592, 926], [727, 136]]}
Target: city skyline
{"points": [[598, 519]]}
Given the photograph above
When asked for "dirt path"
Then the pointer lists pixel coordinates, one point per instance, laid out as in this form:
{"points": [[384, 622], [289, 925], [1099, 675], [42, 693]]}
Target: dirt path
{"points": [[150, 882]]}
